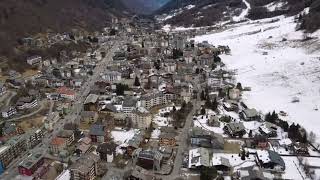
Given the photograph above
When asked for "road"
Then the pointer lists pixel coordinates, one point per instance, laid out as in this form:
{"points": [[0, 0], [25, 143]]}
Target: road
{"points": [[12, 169], [7, 98]]}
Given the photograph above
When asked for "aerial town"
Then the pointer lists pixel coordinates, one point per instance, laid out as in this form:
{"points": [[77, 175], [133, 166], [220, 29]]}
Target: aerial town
{"points": [[141, 104]]}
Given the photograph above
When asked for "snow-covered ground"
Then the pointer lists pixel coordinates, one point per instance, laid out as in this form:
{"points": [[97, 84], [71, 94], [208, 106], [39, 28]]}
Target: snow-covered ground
{"points": [[122, 136], [270, 56]]}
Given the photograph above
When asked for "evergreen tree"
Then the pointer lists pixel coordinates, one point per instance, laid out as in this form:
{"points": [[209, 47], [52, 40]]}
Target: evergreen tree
{"points": [[239, 86], [203, 111], [250, 133], [208, 173], [203, 96], [214, 105], [243, 155], [174, 109], [137, 81]]}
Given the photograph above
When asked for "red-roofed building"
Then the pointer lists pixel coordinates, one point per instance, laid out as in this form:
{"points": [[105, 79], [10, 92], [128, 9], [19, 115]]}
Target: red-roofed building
{"points": [[66, 93], [57, 144]]}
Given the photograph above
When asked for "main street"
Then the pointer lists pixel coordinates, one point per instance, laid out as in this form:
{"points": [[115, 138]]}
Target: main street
{"points": [[12, 169]]}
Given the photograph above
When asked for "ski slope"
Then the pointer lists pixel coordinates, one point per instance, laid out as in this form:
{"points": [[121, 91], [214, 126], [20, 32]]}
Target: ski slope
{"points": [[272, 58]]}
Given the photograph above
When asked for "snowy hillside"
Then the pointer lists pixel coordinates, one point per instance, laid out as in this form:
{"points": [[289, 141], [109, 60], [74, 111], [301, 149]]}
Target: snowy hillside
{"points": [[279, 64]]}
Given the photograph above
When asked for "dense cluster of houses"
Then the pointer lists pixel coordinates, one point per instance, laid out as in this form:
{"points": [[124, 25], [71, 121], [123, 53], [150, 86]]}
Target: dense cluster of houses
{"points": [[129, 117]]}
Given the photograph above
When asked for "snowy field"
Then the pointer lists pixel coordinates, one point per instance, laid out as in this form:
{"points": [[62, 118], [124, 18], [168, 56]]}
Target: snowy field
{"points": [[271, 58]]}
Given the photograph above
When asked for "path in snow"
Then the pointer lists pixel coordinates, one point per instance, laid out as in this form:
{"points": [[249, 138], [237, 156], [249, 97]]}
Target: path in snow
{"points": [[244, 12]]}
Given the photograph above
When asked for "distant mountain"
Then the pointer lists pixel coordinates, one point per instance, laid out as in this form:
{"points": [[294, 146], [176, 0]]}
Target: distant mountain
{"points": [[144, 6], [199, 12], [209, 12]]}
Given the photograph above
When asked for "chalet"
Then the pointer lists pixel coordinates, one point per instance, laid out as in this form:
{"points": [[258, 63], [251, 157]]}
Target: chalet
{"points": [[83, 146], [270, 160], [33, 60], [250, 115], [198, 158], [235, 129], [220, 163], [234, 94], [231, 105], [301, 148], [26, 103], [8, 112], [257, 141], [205, 139], [213, 121], [98, 133], [91, 103], [148, 159], [167, 139], [89, 117], [135, 142], [268, 129]]}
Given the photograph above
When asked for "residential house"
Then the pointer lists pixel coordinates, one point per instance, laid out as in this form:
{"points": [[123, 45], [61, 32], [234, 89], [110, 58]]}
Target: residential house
{"points": [[107, 151], [235, 129], [234, 94], [34, 60], [89, 117], [66, 93], [26, 103], [148, 159], [30, 166], [220, 163], [250, 115], [85, 168], [268, 129], [206, 139], [8, 112], [68, 135], [98, 133], [167, 136], [198, 158], [91, 103], [135, 142], [83, 146], [257, 141], [57, 145], [270, 160]]}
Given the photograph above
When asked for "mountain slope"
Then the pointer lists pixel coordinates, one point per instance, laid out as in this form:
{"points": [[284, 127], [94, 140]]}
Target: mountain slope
{"points": [[144, 6], [24, 18], [200, 13]]}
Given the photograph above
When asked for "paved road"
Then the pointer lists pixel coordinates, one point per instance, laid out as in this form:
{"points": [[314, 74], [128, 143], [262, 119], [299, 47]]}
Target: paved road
{"points": [[12, 169]]}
